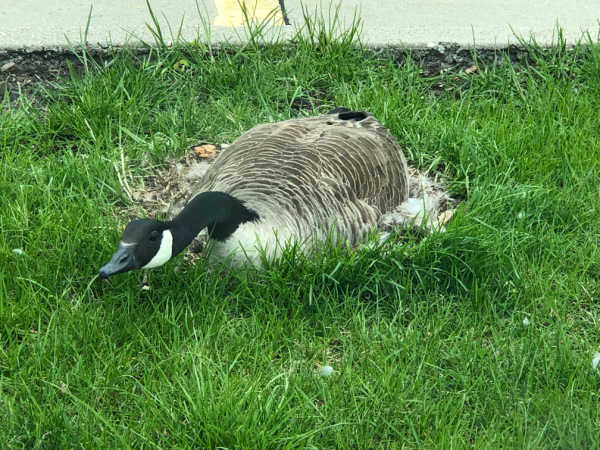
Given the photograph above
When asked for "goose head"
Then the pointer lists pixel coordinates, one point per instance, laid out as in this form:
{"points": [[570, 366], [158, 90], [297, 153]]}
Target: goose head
{"points": [[145, 244], [149, 243]]}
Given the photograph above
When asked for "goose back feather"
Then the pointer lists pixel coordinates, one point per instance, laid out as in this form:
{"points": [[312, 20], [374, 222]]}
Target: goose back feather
{"points": [[308, 178]]}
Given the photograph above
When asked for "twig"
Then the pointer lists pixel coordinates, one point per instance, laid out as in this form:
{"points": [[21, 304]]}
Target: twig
{"points": [[125, 173], [122, 177]]}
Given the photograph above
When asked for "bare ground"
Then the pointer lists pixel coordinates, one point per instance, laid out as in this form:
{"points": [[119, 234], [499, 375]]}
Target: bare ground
{"points": [[24, 71]]}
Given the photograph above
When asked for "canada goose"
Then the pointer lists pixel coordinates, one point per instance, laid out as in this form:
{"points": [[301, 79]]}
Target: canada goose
{"points": [[298, 180]]}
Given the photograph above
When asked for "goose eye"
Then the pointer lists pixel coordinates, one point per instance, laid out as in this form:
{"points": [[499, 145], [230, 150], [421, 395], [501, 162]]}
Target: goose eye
{"points": [[154, 236]]}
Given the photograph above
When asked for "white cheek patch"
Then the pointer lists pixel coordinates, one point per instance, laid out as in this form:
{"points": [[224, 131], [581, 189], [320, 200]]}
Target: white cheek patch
{"points": [[164, 253]]}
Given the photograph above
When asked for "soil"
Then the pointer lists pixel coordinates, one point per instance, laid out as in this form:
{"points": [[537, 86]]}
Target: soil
{"points": [[24, 71], [446, 56]]}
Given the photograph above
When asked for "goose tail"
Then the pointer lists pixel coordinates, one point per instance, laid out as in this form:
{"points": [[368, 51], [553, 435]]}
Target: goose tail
{"points": [[348, 114]]}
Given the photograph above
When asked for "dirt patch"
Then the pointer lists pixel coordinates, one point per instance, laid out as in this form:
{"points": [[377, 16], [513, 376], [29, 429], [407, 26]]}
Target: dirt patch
{"points": [[24, 71], [167, 191], [448, 57]]}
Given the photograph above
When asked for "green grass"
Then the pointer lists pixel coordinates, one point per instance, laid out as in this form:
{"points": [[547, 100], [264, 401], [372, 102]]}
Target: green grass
{"points": [[426, 337]]}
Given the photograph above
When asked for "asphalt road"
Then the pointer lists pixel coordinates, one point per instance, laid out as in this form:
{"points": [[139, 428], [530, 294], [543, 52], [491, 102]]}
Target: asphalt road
{"points": [[50, 24]]}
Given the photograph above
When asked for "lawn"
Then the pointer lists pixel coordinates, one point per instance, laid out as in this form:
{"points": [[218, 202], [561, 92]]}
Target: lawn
{"points": [[480, 336]]}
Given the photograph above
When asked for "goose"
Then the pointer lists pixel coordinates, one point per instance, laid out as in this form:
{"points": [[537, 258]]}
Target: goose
{"points": [[303, 180]]}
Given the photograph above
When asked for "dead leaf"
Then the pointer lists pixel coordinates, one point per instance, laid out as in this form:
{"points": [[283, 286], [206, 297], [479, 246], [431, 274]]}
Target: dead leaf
{"points": [[208, 151], [471, 70]]}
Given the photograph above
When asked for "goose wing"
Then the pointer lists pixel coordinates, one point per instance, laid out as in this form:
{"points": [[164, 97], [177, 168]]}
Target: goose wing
{"points": [[343, 169]]}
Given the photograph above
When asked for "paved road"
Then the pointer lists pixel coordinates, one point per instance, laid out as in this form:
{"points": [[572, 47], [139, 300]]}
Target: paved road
{"points": [[412, 23]]}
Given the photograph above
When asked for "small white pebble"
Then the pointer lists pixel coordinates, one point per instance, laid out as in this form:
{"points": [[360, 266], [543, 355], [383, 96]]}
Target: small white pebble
{"points": [[526, 322], [595, 360], [520, 215], [18, 251], [325, 371]]}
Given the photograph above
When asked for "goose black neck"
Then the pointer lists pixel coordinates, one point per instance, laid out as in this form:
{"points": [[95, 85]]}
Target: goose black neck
{"points": [[221, 213]]}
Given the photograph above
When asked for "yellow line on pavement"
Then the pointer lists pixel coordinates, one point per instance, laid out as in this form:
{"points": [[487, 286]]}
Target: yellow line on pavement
{"points": [[229, 12]]}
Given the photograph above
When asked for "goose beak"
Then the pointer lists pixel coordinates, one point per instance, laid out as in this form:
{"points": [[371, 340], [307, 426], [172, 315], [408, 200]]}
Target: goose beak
{"points": [[121, 261]]}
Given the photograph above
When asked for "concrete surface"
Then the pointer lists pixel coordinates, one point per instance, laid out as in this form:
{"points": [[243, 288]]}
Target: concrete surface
{"points": [[48, 24]]}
